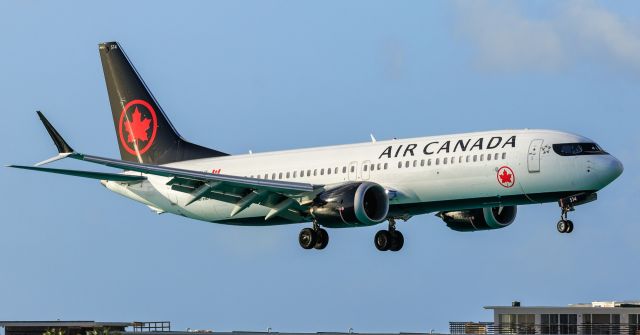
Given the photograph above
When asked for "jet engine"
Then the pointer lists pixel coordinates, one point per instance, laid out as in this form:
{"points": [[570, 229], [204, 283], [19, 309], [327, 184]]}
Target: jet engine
{"points": [[363, 203], [480, 218]]}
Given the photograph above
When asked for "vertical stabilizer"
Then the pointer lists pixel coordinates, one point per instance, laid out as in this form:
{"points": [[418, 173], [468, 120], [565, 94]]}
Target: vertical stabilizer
{"points": [[143, 131]]}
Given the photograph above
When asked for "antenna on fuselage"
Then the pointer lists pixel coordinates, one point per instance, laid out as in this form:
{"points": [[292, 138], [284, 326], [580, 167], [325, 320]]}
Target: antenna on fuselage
{"points": [[373, 139]]}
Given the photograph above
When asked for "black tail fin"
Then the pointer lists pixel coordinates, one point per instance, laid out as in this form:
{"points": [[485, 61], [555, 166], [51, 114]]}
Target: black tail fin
{"points": [[144, 132]]}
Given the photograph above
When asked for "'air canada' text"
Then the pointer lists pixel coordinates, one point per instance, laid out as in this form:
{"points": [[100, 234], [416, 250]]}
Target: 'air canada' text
{"points": [[438, 147]]}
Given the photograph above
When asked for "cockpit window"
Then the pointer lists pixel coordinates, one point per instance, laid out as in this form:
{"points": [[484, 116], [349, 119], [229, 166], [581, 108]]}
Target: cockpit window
{"points": [[574, 149]]}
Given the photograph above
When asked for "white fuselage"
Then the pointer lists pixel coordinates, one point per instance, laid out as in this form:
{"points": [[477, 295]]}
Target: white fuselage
{"points": [[427, 174]]}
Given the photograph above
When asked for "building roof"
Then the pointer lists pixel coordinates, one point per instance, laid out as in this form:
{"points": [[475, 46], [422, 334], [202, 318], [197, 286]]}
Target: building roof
{"points": [[594, 304], [83, 324]]}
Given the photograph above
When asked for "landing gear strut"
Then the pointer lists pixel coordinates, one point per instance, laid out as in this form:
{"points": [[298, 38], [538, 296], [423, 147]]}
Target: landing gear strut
{"points": [[565, 225], [568, 204], [390, 239], [315, 237]]}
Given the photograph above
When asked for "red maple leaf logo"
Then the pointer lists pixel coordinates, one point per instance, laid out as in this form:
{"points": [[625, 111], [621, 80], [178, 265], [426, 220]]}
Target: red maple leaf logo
{"points": [[505, 177], [137, 130]]}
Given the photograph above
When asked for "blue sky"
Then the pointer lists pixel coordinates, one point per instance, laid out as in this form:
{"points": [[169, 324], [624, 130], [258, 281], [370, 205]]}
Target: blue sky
{"points": [[270, 75]]}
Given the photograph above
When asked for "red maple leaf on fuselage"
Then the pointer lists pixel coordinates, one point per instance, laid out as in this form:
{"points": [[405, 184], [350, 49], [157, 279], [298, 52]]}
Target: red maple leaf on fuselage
{"points": [[505, 177], [137, 129]]}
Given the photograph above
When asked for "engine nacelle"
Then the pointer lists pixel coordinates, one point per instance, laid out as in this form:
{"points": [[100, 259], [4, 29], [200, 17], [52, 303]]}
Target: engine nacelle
{"points": [[363, 203], [480, 218]]}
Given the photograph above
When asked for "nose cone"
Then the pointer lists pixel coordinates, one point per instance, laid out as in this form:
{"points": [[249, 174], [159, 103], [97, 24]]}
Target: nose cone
{"points": [[610, 169], [616, 169]]}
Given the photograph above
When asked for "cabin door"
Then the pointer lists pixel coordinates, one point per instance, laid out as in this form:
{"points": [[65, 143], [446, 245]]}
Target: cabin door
{"points": [[533, 158]]}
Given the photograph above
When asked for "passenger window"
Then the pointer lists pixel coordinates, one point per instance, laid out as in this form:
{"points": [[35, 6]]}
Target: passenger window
{"points": [[399, 165], [294, 174], [481, 157], [467, 158], [329, 171], [379, 166], [488, 157], [322, 172], [315, 172], [504, 155], [364, 167], [386, 165], [444, 161], [475, 158], [406, 164], [336, 171], [496, 156], [308, 173], [273, 176], [437, 161], [415, 163], [353, 168], [344, 169], [373, 167], [266, 176], [429, 162], [280, 175], [288, 175]]}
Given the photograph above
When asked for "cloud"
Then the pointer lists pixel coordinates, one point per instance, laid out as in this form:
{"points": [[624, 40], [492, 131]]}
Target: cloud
{"points": [[507, 39]]}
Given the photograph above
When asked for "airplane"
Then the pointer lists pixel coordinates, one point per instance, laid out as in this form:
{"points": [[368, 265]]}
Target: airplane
{"points": [[472, 181]]}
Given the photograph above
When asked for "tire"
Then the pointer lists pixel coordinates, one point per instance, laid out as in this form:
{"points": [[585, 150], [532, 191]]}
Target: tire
{"points": [[307, 238], [322, 239], [397, 240], [562, 226], [569, 226], [382, 240]]}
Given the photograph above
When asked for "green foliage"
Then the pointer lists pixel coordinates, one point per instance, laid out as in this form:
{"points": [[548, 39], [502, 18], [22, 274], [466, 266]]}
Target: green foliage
{"points": [[54, 331], [95, 331]]}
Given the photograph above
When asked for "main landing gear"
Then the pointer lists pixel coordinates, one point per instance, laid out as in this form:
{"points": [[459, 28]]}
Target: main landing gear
{"points": [[390, 239], [315, 237]]}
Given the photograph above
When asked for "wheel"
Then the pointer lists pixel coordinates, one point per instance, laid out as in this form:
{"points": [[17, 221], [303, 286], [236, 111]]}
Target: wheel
{"points": [[569, 226], [382, 240], [322, 239], [307, 238], [562, 226], [397, 240]]}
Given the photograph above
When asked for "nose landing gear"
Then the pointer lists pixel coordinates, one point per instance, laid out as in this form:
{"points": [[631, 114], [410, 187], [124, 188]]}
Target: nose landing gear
{"points": [[390, 239], [568, 205], [565, 225]]}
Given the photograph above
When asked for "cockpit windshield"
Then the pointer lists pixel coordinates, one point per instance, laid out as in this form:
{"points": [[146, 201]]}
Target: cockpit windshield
{"points": [[574, 149]]}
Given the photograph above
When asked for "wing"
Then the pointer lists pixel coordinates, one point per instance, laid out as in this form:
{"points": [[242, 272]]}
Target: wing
{"points": [[86, 174], [286, 199], [289, 200]]}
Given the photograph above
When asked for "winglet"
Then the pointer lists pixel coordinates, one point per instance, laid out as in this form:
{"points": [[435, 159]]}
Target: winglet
{"points": [[63, 147]]}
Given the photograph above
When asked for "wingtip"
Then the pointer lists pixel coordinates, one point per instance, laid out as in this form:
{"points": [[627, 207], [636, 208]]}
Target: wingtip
{"points": [[60, 143]]}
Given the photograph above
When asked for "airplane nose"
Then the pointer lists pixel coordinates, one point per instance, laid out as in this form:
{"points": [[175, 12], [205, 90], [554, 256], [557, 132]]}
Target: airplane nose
{"points": [[605, 169], [616, 168], [611, 169]]}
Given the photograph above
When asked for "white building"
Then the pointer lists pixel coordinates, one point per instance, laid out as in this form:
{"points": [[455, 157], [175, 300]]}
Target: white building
{"points": [[599, 317]]}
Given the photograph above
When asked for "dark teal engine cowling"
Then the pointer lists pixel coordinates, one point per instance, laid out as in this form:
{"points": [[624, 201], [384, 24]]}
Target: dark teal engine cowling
{"points": [[349, 205], [480, 218]]}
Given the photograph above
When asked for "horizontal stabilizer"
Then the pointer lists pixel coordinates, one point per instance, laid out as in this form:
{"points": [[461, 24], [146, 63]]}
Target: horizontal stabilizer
{"points": [[85, 174]]}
